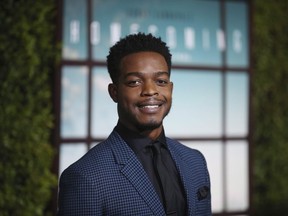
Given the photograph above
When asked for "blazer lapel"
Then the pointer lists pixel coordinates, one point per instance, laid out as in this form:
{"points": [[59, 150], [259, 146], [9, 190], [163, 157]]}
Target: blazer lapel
{"points": [[135, 173], [187, 176]]}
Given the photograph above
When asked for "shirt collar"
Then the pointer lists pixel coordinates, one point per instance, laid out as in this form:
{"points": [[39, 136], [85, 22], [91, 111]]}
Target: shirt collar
{"points": [[136, 141]]}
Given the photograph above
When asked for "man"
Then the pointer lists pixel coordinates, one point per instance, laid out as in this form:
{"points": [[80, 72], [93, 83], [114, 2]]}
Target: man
{"points": [[137, 170]]}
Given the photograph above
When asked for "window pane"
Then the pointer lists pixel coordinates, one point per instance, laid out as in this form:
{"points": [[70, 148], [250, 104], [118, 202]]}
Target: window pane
{"points": [[237, 175], [197, 104], [191, 36], [237, 34], [69, 153], [208, 45], [237, 104], [74, 30], [104, 110], [213, 152], [74, 102]]}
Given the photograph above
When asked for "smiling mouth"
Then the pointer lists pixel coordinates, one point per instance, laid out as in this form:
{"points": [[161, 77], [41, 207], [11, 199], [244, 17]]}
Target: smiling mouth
{"points": [[149, 106]]}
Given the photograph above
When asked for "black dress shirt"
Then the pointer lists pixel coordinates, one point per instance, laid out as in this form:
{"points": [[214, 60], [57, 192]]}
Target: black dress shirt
{"points": [[142, 147]]}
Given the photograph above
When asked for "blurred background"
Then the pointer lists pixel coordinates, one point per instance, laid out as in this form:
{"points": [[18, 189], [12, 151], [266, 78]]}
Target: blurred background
{"points": [[230, 74]]}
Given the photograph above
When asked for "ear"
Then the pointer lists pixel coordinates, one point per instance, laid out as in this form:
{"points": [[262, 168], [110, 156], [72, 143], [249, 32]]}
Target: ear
{"points": [[172, 85], [112, 89]]}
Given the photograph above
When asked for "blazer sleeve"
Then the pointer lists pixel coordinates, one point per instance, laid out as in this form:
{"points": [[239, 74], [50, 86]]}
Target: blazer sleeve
{"points": [[77, 195]]}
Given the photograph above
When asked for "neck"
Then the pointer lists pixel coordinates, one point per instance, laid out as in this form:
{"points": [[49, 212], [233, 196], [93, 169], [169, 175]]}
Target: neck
{"points": [[151, 133]]}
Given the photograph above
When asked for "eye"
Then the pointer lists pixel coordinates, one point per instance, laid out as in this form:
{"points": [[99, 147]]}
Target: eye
{"points": [[133, 83], [162, 82]]}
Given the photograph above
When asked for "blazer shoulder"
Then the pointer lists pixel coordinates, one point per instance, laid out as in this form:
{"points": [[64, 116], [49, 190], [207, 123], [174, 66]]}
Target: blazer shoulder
{"points": [[96, 158]]}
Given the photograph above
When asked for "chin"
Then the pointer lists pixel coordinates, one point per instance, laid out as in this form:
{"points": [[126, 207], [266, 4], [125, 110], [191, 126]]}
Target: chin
{"points": [[149, 125]]}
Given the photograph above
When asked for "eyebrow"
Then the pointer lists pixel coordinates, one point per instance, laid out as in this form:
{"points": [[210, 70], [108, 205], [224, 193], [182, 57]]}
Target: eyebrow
{"points": [[140, 74]]}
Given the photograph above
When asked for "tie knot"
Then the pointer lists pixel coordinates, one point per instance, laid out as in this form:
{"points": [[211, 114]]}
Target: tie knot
{"points": [[156, 146]]}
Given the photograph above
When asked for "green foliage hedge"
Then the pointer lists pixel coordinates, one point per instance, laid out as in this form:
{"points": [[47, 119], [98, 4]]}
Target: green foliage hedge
{"points": [[27, 60], [270, 101]]}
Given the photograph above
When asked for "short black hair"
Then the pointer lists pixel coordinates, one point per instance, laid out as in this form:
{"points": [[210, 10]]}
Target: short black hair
{"points": [[134, 43]]}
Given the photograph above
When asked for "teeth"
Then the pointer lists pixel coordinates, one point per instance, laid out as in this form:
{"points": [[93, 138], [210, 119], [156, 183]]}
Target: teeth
{"points": [[150, 106]]}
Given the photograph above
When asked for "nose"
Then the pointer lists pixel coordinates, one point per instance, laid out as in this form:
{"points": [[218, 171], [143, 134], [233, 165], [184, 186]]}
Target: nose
{"points": [[149, 89]]}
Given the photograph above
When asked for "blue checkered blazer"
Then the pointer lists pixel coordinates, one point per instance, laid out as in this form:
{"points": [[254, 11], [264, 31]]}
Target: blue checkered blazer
{"points": [[110, 180]]}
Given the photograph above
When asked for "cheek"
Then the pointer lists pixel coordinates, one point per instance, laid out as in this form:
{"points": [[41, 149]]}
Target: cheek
{"points": [[168, 94], [131, 93], [127, 99]]}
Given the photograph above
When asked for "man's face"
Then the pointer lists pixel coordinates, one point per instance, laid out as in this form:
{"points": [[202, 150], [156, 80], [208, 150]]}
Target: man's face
{"points": [[144, 91]]}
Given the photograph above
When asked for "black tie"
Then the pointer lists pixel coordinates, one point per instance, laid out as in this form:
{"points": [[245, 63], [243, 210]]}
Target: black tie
{"points": [[166, 182]]}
